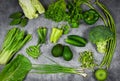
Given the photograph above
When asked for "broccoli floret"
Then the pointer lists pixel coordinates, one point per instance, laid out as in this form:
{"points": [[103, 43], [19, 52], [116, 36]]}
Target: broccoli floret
{"points": [[100, 35], [31, 8]]}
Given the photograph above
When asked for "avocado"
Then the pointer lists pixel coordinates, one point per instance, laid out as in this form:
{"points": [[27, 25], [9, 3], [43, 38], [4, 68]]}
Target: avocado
{"points": [[67, 53], [57, 50]]}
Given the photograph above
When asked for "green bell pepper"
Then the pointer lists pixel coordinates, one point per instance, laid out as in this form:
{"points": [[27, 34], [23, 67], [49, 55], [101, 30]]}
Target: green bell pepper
{"points": [[90, 16]]}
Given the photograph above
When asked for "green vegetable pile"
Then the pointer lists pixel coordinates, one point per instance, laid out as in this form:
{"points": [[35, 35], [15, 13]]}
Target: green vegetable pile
{"points": [[103, 36], [71, 12], [87, 60]]}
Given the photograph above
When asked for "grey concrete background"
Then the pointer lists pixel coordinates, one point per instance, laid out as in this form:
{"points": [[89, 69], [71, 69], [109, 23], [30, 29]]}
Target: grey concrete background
{"points": [[9, 6]]}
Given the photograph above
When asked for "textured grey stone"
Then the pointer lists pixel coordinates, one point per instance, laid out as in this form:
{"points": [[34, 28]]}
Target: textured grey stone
{"points": [[9, 6]]}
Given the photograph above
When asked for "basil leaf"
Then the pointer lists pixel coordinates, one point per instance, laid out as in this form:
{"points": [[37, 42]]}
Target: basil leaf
{"points": [[24, 22], [15, 21], [16, 15]]}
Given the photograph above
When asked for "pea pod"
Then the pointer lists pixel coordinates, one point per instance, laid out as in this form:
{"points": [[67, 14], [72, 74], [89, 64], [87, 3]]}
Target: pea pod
{"points": [[76, 40]]}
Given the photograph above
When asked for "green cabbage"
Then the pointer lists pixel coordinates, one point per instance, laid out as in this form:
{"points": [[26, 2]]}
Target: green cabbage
{"points": [[31, 8]]}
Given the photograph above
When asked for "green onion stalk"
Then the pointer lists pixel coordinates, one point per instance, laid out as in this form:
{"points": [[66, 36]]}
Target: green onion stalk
{"points": [[56, 68]]}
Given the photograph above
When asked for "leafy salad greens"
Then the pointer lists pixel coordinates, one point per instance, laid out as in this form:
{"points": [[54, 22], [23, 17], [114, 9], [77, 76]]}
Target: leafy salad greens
{"points": [[16, 70]]}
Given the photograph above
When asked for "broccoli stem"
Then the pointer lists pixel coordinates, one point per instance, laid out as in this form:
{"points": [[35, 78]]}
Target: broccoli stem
{"points": [[101, 47]]}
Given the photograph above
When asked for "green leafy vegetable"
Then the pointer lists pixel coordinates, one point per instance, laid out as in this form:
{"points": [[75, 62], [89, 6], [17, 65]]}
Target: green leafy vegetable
{"points": [[56, 34], [24, 22], [31, 7], [18, 19], [100, 35], [75, 13], [87, 60], [16, 15], [56, 11], [15, 21], [55, 68], [14, 40], [16, 70]]}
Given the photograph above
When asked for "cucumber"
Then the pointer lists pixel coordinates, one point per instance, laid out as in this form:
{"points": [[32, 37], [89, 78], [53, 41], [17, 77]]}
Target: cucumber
{"points": [[78, 38], [74, 42], [67, 53]]}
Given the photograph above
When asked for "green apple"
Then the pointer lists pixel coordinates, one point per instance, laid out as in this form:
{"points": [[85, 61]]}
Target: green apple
{"points": [[101, 74]]}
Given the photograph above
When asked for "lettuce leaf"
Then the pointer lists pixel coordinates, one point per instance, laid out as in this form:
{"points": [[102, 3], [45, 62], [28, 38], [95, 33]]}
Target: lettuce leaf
{"points": [[16, 70]]}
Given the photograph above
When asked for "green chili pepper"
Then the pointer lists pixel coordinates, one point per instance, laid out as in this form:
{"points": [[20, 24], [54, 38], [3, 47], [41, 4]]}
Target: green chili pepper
{"points": [[90, 16]]}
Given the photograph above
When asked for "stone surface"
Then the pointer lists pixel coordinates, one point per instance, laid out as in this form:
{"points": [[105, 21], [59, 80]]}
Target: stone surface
{"points": [[10, 6]]}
